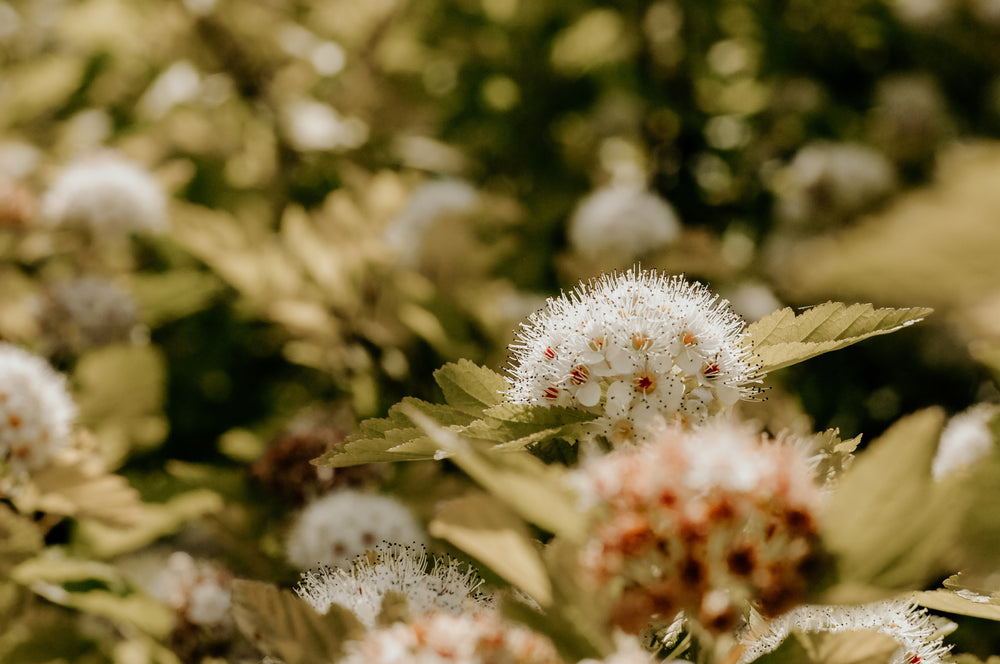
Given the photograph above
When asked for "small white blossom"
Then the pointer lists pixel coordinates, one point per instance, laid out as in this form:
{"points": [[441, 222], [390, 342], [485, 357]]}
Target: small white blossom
{"points": [[830, 182], [338, 527], [636, 348], [86, 312], [439, 638], [197, 590], [449, 586], [919, 637], [107, 195], [965, 440], [313, 126], [404, 235], [621, 223], [36, 410]]}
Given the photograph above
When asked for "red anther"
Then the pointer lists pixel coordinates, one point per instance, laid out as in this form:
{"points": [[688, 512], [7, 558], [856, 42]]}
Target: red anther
{"points": [[711, 370], [915, 659], [549, 353], [579, 375], [551, 393]]}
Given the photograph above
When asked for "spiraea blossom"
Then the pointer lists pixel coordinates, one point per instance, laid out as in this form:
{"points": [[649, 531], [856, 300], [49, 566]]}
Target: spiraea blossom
{"points": [[920, 637], [702, 521], [36, 411], [86, 312], [197, 590], [622, 222], [828, 183], [635, 347], [107, 195], [441, 638], [335, 529], [448, 587], [965, 440]]}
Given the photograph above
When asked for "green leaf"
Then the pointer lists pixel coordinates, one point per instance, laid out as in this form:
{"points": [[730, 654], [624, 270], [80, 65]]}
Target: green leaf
{"points": [[950, 601], [469, 387], [862, 647], [385, 439], [283, 625], [533, 489], [19, 539], [167, 296], [93, 587], [884, 521], [82, 491], [395, 608], [784, 338], [485, 528], [835, 455]]}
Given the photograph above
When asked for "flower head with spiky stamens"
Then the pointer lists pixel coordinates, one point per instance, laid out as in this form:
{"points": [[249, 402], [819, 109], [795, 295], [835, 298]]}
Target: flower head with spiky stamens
{"points": [[920, 638], [439, 638], [635, 347], [36, 411], [449, 586]]}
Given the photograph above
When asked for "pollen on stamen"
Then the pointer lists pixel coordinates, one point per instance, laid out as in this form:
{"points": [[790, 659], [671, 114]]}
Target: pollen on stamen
{"points": [[551, 393], [644, 382], [579, 375], [689, 339]]}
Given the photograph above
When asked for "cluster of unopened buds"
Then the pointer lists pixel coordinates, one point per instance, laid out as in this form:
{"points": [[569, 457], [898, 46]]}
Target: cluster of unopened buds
{"points": [[702, 521], [636, 348]]}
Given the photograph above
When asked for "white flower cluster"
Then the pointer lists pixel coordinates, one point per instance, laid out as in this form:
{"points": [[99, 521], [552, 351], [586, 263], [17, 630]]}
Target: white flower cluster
{"points": [[449, 586], [965, 440], [636, 348], [197, 590], [86, 312], [430, 202], [622, 222], [440, 638], [830, 182], [338, 527], [36, 410], [920, 637], [107, 195]]}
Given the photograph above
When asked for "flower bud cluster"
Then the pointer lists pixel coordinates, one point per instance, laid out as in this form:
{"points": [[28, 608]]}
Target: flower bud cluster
{"points": [[702, 521], [439, 638], [636, 348]]}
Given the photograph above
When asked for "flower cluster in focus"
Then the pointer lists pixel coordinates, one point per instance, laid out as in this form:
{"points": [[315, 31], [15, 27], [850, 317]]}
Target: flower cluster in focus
{"points": [[637, 348]]}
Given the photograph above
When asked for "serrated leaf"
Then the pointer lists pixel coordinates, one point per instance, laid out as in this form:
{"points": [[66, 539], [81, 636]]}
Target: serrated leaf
{"points": [[834, 454], [283, 625], [882, 521], [519, 425], [533, 489], [950, 601], [469, 387], [83, 491], [783, 338], [485, 528], [386, 438]]}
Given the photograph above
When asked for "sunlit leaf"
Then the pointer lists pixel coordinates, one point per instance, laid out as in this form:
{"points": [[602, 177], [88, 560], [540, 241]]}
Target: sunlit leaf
{"points": [[832, 648], [484, 527], [883, 522], [534, 490], [283, 625], [784, 338], [84, 491], [469, 387], [950, 601]]}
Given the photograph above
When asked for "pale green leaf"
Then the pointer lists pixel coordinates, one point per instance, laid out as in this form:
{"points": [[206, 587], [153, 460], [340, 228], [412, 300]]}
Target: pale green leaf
{"points": [[157, 520], [950, 601], [485, 528], [20, 538], [469, 387], [883, 521], [533, 489], [283, 625], [83, 491], [860, 647], [784, 338]]}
